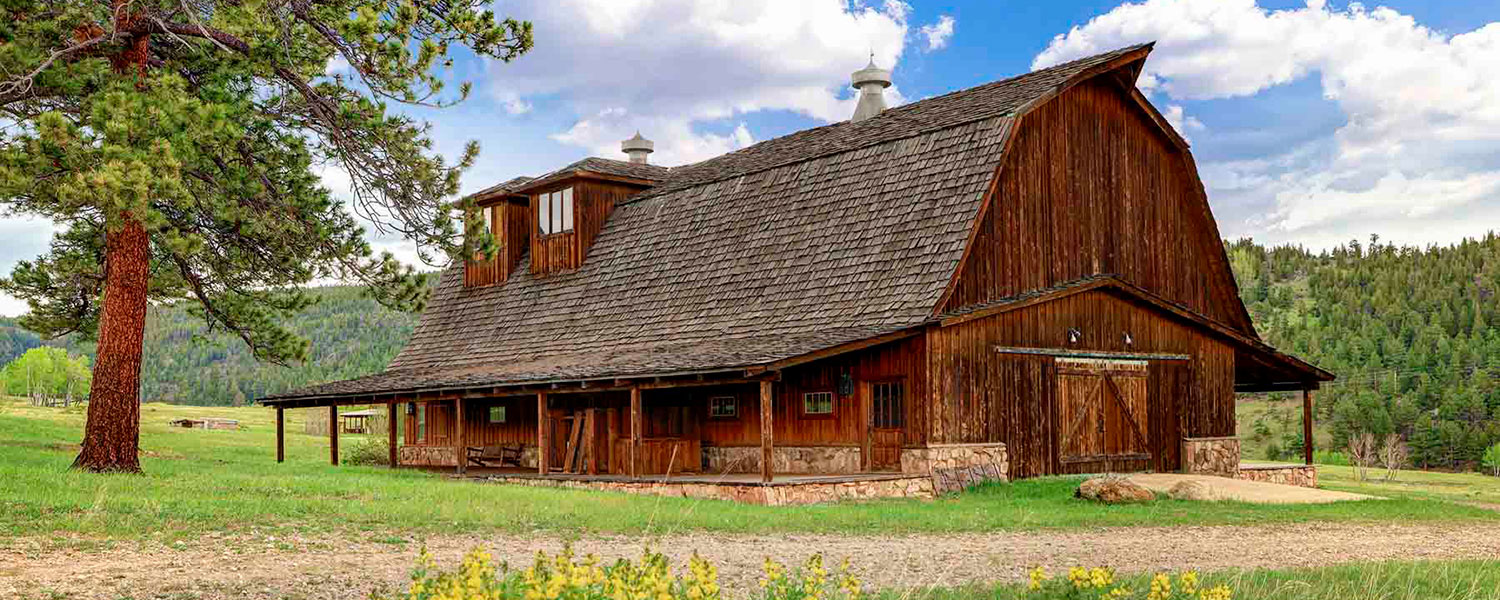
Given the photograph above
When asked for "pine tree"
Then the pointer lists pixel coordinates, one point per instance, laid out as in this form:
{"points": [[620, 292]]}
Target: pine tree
{"points": [[175, 142]]}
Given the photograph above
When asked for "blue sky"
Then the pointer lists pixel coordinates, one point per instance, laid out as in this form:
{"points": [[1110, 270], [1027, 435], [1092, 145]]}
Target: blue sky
{"points": [[1312, 122]]}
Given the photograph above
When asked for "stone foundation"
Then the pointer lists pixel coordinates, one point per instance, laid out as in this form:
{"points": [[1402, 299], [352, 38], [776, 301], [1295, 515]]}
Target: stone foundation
{"points": [[793, 460], [954, 467], [1299, 475], [773, 494], [442, 456], [1211, 456]]}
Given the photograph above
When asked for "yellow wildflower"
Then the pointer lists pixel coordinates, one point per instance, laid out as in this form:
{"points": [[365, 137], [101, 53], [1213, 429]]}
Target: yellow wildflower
{"points": [[1161, 587], [1038, 576], [1187, 583], [1079, 577], [1116, 594], [1218, 592]]}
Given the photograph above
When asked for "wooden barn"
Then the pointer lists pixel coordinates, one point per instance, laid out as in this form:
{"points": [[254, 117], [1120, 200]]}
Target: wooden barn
{"points": [[1017, 279]]}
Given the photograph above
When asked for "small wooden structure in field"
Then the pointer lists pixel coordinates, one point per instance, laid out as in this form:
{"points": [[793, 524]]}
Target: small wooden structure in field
{"points": [[356, 421], [207, 423]]}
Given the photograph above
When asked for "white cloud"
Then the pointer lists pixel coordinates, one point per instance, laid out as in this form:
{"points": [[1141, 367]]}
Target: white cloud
{"points": [[1181, 121], [675, 65], [1422, 137], [513, 103], [938, 33]]}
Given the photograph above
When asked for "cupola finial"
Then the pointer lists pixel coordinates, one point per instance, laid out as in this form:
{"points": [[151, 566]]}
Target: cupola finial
{"points": [[637, 148], [871, 82]]}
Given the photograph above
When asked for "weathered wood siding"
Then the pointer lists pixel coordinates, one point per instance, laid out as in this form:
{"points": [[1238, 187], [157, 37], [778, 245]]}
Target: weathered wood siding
{"points": [[519, 428], [903, 360], [1091, 186], [593, 201], [981, 395], [512, 236]]}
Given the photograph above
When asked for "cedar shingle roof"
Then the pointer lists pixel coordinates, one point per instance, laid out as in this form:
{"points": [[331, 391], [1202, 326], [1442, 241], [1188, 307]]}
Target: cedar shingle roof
{"points": [[826, 236]]}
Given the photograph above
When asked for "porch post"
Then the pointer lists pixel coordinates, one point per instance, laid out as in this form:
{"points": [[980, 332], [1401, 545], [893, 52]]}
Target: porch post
{"points": [[390, 418], [635, 431], [542, 441], [767, 458], [460, 446], [280, 435], [333, 434], [1307, 425]]}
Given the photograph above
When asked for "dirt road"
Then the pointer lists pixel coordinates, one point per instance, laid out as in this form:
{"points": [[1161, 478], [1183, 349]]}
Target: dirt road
{"points": [[328, 568]]}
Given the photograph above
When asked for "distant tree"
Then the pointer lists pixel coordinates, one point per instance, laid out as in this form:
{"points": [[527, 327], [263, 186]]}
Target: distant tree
{"points": [[47, 372], [178, 142], [1492, 459], [1394, 454]]}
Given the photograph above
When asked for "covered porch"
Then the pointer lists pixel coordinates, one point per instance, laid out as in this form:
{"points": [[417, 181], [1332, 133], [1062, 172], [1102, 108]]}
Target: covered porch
{"points": [[714, 426]]}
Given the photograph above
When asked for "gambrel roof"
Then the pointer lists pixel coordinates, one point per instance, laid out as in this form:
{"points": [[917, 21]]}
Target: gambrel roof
{"points": [[796, 244]]}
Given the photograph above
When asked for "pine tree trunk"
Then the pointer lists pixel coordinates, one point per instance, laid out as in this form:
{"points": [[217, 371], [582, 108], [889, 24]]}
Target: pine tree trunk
{"points": [[111, 438]]}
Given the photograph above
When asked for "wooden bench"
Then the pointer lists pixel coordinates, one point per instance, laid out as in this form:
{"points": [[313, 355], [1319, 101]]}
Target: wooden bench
{"points": [[490, 456]]}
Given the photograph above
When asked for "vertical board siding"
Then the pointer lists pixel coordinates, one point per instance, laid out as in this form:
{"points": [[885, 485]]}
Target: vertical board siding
{"points": [[512, 237], [593, 201], [980, 395], [902, 360], [1091, 186]]}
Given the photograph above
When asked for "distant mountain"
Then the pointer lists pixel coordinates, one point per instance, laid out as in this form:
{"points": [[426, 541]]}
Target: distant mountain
{"points": [[351, 335], [14, 340]]}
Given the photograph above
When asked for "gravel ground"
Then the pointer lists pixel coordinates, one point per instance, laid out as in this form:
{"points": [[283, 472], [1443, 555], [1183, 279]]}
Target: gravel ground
{"points": [[328, 568], [1259, 492]]}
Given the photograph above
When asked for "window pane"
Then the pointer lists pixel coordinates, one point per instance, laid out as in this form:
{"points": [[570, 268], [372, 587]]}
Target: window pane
{"points": [[545, 213], [489, 218], [556, 201], [497, 414], [422, 423], [723, 406], [567, 210], [817, 403]]}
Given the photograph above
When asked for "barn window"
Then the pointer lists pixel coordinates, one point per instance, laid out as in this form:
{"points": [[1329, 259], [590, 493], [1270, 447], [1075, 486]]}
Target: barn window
{"points": [[887, 398], [554, 211], [723, 407], [817, 403], [497, 414], [422, 424]]}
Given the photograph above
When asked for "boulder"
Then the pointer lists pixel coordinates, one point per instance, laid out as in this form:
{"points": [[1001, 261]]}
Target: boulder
{"points": [[1113, 490], [1190, 490]]}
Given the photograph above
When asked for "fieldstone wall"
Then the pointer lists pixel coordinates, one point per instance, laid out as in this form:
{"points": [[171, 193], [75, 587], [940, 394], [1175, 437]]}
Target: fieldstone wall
{"points": [[1211, 456], [774, 494], [798, 460], [1299, 475], [442, 456], [954, 467]]}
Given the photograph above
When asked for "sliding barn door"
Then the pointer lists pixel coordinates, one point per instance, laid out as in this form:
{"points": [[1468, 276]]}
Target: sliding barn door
{"points": [[1102, 410]]}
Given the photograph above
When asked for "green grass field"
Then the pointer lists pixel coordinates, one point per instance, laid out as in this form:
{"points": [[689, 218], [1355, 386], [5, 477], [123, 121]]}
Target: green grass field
{"points": [[200, 481], [1454, 580]]}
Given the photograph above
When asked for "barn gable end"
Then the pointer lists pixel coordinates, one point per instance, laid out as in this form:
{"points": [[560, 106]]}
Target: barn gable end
{"points": [[1092, 182]]}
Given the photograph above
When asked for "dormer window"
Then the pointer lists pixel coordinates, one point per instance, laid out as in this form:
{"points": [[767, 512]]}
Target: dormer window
{"points": [[555, 211]]}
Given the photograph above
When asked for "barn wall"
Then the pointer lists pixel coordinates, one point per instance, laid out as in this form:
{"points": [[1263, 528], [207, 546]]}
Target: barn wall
{"points": [[519, 428], [1090, 186], [512, 238], [904, 360], [980, 395]]}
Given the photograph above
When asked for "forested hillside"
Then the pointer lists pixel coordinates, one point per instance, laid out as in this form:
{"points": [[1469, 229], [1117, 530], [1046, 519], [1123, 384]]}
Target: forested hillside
{"points": [[1411, 333], [351, 336]]}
